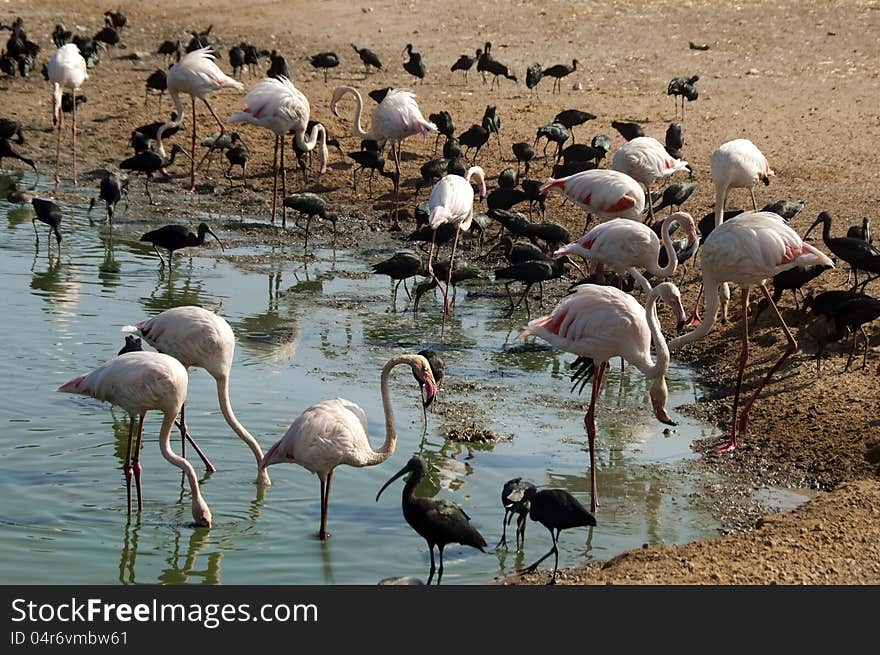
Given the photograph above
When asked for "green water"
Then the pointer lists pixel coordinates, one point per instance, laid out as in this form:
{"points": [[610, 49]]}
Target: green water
{"points": [[306, 332]]}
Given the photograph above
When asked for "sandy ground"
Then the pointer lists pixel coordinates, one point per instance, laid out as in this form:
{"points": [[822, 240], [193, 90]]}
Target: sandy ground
{"points": [[799, 79]]}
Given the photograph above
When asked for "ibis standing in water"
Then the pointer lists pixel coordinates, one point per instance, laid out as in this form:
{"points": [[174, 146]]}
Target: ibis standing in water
{"points": [[175, 237], [514, 502], [311, 204], [149, 162], [438, 521], [555, 509], [50, 214]]}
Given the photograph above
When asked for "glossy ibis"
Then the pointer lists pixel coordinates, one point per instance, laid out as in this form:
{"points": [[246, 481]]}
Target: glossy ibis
{"points": [[514, 502], [462, 272], [571, 118], [110, 192], [149, 162], [851, 316], [524, 153], [529, 273], [445, 125], [558, 72], [682, 87], [859, 254], [324, 61], [277, 66], [465, 63], [238, 156], [311, 205], [400, 266], [169, 49], [157, 81], [10, 129], [414, 65], [369, 58], [793, 279], [7, 151], [175, 237], [496, 69], [628, 130], [438, 521], [556, 510], [675, 195], [61, 36], [132, 344], [534, 74], [474, 138], [236, 59], [578, 152], [50, 214], [674, 139], [372, 161], [862, 231], [492, 122], [554, 132]]}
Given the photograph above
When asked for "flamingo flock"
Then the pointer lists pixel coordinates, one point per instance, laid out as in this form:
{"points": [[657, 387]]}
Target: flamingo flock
{"points": [[595, 321]]}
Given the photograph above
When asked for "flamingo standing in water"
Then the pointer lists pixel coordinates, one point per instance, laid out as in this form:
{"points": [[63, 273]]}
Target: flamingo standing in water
{"points": [[334, 432], [646, 160], [625, 246], [275, 104], [747, 250], [198, 337], [605, 193], [395, 118], [197, 75], [452, 201], [138, 382], [601, 322], [66, 70]]}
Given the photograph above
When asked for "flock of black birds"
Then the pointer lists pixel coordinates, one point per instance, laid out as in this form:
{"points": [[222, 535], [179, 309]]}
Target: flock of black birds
{"points": [[526, 246]]}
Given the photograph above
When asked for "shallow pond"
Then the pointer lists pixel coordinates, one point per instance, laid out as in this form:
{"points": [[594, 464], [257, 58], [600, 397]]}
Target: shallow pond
{"points": [[306, 332]]}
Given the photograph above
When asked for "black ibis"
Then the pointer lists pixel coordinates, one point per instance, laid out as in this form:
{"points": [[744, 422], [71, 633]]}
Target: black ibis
{"points": [[414, 65], [67, 100], [400, 266], [683, 87], [552, 234], [524, 153], [110, 192], [311, 204], [452, 148], [506, 198], [157, 81], [628, 129], [474, 138], [492, 122], [236, 59], [556, 510], [788, 209], [277, 65], [601, 141], [169, 49], [369, 58], [534, 74], [582, 152], [674, 140], [862, 231], [675, 195], [378, 95], [438, 521], [325, 61], [61, 36], [535, 195], [6, 150], [461, 272], [530, 273], [554, 132], [425, 234], [445, 125], [116, 18], [108, 35], [149, 162], [10, 128], [252, 57], [50, 214], [558, 72], [851, 316], [175, 237], [567, 169], [508, 178], [792, 279], [132, 344], [465, 63], [150, 130], [496, 69], [571, 118], [514, 503], [238, 156], [515, 222], [859, 254], [369, 160]]}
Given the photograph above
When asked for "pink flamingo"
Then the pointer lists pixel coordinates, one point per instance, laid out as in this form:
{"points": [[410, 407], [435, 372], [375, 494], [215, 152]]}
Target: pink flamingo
{"points": [[394, 119], [601, 322], [138, 382], [197, 75], [277, 105], [452, 201], [66, 69], [198, 337], [625, 246], [646, 160], [334, 432], [747, 250], [737, 164], [605, 193]]}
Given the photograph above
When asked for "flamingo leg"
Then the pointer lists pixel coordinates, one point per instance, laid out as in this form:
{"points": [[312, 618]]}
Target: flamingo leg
{"points": [[74, 141], [126, 468], [325, 502], [590, 423], [192, 159], [184, 430], [395, 224], [283, 185], [58, 149], [743, 358], [754, 202], [136, 460], [275, 178]]}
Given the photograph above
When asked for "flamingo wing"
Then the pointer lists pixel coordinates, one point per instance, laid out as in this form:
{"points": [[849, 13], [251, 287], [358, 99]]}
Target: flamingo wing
{"points": [[274, 103]]}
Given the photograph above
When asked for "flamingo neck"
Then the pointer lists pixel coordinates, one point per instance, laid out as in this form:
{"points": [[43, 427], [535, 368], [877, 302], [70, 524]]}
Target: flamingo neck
{"points": [[239, 429], [307, 144], [720, 197], [200, 511], [671, 257], [387, 448], [358, 112], [656, 369], [710, 288]]}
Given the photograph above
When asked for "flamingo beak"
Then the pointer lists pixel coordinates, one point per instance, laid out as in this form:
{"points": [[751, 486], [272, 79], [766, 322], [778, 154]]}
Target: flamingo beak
{"points": [[429, 386]]}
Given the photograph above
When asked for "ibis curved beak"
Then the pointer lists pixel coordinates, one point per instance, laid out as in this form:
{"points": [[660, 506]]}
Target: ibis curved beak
{"points": [[211, 232], [400, 473], [815, 223]]}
